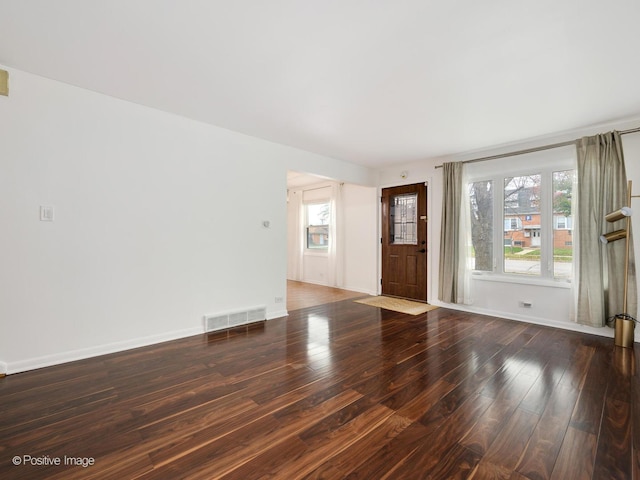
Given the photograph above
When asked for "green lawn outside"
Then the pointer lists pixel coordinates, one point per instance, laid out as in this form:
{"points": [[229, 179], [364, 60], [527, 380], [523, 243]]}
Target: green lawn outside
{"points": [[559, 254]]}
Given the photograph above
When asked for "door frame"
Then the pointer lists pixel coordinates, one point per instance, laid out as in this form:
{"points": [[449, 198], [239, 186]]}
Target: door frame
{"points": [[429, 184]]}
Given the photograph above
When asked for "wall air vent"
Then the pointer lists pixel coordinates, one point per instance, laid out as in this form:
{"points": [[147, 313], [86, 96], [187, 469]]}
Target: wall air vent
{"points": [[222, 321], [238, 318], [256, 315], [218, 322]]}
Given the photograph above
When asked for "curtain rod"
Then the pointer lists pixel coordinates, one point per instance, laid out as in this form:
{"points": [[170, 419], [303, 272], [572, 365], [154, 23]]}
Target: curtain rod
{"points": [[536, 149]]}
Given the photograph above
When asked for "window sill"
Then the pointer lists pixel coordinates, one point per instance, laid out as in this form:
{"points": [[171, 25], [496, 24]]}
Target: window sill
{"points": [[539, 282], [316, 253]]}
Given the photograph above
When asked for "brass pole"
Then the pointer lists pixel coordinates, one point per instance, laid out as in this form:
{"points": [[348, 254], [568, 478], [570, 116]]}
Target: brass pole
{"points": [[624, 324], [626, 255]]}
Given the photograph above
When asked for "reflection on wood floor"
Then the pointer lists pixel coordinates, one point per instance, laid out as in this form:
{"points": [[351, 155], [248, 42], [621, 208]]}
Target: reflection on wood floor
{"points": [[303, 295], [336, 391]]}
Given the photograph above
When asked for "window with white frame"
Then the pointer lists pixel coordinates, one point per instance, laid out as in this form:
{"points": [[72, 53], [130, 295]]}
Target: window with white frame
{"points": [[520, 216], [318, 216]]}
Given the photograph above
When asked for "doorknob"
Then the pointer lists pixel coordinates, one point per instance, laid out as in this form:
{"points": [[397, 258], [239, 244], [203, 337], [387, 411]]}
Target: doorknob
{"points": [[422, 250]]}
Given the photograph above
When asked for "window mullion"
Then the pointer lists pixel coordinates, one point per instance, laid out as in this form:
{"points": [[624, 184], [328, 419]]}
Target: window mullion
{"points": [[498, 221], [546, 226]]}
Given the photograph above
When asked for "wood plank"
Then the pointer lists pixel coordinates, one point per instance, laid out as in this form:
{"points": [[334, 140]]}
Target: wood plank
{"points": [[575, 373], [540, 455], [546, 383], [388, 459], [577, 455], [241, 444], [489, 425], [340, 465], [442, 437], [503, 454], [456, 463], [587, 414], [614, 452], [329, 444]]}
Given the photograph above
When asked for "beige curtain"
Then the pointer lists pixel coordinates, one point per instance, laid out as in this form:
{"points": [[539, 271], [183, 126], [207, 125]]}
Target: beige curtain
{"points": [[451, 284], [599, 276]]}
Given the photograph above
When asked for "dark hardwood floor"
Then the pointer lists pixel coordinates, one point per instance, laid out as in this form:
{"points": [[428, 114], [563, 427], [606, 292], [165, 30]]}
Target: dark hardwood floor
{"points": [[342, 390]]}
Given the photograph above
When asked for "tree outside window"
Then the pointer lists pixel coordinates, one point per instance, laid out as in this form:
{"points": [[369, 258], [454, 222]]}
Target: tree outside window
{"points": [[481, 196]]}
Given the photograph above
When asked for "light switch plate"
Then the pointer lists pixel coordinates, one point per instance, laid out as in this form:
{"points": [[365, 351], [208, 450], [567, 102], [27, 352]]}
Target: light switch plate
{"points": [[46, 213]]}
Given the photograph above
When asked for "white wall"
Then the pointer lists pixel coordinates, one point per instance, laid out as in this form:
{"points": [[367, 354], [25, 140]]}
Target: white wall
{"points": [[294, 238], [551, 306], [361, 238], [157, 222]]}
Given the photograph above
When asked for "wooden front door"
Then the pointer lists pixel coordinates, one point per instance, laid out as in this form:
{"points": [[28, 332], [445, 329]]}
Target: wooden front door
{"points": [[404, 241]]}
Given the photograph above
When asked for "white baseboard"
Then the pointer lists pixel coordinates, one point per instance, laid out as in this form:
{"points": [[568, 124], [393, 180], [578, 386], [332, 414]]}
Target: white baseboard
{"points": [[575, 327], [353, 288], [81, 354], [360, 290], [277, 314]]}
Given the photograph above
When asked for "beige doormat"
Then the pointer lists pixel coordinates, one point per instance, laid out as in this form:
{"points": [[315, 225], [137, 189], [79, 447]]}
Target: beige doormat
{"points": [[397, 305]]}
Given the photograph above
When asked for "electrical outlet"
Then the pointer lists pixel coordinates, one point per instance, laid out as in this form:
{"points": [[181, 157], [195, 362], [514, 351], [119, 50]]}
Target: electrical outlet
{"points": [[524, 304], [279, 300]]}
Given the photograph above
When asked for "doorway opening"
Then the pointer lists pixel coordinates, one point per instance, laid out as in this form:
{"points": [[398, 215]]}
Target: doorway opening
{"points": [[332, 234]]}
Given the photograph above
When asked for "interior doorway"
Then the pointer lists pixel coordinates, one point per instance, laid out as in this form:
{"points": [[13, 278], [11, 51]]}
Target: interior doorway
{"points": [[332, 233], [404, 241]]}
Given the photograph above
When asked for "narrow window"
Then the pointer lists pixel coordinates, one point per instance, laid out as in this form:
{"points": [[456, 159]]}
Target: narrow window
{"points": [[562, 223], [522, 216], [318, 216], [481, 209]]}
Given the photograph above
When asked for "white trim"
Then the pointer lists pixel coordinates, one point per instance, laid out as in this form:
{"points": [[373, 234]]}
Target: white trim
{"points": [[571, 326], [519, 279], [84, 353], [81, 354], [316, 252], [428, 182], [278, 314], [360, 290]]}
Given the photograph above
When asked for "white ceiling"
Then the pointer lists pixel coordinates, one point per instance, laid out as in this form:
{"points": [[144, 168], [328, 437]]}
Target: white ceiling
{"points": [[369, 81]]}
